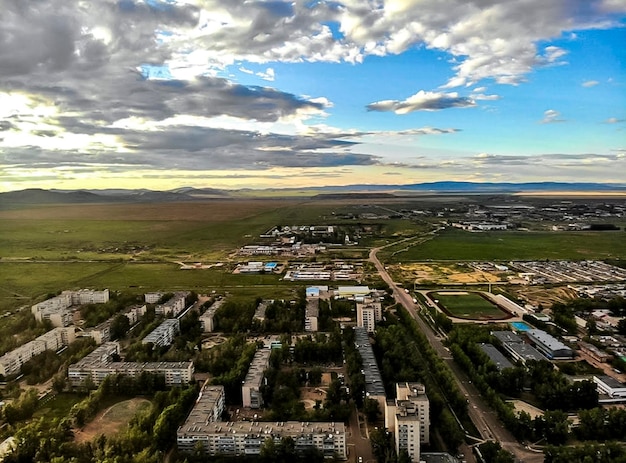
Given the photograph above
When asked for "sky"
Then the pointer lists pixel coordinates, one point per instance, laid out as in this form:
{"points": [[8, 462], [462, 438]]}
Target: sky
{"points": [[163, 94]]}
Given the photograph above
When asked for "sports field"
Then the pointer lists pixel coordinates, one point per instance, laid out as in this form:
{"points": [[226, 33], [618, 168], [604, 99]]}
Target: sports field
{"points": [[469, 305], [111, 420]]}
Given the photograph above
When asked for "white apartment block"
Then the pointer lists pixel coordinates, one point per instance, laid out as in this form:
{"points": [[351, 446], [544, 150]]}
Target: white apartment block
{"points": [[251, 387], [246, 438], [208, 409], [135, 313], [164, 334], [89, 296], [206, 319], [368, 312], [11, 362], [152, 298], [98, 365], [56, 310], [312, 313], [408, 417], [174, 306]]}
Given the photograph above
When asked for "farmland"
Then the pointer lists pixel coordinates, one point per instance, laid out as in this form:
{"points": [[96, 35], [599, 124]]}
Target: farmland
{"points": [[504, 246]]}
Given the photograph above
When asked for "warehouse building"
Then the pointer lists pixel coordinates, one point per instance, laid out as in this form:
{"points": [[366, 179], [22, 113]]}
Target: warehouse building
{"points": [[549, 345]]}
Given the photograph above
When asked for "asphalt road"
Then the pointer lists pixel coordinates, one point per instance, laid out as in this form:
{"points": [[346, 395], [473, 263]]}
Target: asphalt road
{"points": [[481, 415]]}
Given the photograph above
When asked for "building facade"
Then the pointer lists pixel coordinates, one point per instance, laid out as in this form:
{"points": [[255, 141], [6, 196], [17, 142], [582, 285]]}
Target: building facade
{"points": [[251, 387], [239, 438]]}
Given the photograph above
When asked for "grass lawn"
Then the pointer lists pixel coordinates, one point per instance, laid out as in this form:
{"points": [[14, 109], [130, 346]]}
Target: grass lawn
{"points": [[467, 305], [58, 407], [459, 245]]}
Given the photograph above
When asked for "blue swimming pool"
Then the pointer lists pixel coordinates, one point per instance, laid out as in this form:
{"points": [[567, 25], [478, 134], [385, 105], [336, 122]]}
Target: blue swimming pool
{"points": [[521, 326], [271, 265]]}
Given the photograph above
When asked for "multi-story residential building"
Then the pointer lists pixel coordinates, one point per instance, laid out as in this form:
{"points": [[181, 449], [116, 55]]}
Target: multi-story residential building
{"points": [[246, 438], [153, 298], [206, 319], [409, 418], [11, 362], [164, 334], [99, 364], [174, 306], [374, 387], [251, 387], [208, 409], [368, 313], [89, 296], [312, 313]]}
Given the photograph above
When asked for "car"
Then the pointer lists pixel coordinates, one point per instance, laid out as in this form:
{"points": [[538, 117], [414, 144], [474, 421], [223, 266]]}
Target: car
{"points": [[360, 459]]}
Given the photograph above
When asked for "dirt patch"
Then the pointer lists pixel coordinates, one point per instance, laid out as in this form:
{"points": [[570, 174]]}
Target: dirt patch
{"points": [[312, 394], [111, 420], [443, 274]]}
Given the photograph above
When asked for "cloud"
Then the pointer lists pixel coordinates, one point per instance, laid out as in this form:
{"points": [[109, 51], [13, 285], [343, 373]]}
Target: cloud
{"points": [[551, 116], [423, 101], [613, 120], [590, 83]]}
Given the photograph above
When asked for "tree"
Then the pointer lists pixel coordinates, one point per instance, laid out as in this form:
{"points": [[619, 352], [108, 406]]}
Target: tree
{"points": [[119, 326]]}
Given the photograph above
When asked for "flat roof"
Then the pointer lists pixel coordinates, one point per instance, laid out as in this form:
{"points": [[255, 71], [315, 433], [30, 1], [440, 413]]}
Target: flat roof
{"points": [[496, 356], [507, 336]]}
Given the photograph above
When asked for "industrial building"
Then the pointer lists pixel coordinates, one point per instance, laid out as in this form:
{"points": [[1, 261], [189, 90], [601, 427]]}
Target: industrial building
{"points": [[549, 345], [610, 386], [251, 387], [517, 348], [496, 356]]}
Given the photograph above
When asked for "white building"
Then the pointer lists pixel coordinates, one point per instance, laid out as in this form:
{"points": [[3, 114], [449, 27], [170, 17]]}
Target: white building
{"points": [[311, 315], [173, 306], [152, 298], [206, 319], [164, 334], [368, 312], [208, 409], [89, 296], [408, 417], [98, 365], [251, 388], [11, 362], [246, 438], [610, 386]]}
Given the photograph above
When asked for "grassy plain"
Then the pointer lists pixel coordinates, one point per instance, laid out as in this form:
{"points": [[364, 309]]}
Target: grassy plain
{"points": [[467, 305], [511, 245]]}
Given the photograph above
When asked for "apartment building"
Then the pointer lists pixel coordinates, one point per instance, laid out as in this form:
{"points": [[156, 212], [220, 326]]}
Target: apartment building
{"points": [[246, 438], [408, 417], [251, 387], [163, 335], [11, 362]]}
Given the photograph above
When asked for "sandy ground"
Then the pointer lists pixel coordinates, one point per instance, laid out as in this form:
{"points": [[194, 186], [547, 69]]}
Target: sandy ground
{"points": [[443, 274]]}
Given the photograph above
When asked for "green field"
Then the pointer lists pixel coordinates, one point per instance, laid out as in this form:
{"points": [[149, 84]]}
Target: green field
{"points": [[459, 245], [467, 305]]}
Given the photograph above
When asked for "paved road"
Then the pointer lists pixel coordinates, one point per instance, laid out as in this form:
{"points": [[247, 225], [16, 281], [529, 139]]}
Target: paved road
{"points": [[481, 415]]}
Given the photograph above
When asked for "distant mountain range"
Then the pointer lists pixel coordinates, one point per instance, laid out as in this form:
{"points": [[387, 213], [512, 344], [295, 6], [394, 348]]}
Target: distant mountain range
{"points": [[39, 196]]}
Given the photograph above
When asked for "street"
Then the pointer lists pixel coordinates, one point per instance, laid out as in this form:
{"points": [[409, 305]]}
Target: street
{"points": [[481, 415]]}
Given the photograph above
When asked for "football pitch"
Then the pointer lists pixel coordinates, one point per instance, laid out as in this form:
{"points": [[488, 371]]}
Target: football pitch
{"points": [[469, 305]]}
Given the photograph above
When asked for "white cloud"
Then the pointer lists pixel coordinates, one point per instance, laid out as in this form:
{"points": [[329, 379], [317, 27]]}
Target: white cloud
{"points": [[423, 101], [590, 83], [551, 116], [613, 120]]}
